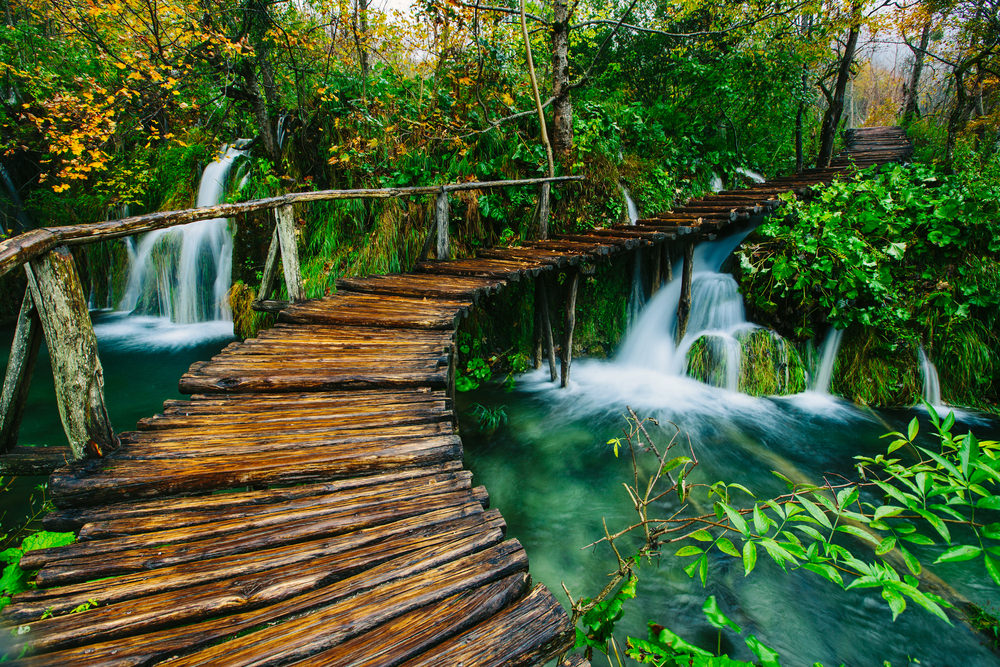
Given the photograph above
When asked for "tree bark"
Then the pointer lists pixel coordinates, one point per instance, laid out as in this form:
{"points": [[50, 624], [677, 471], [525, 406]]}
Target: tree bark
{"points": [[684, 305], [543, 205], [835, 102], [76, 368], [23, 353], [567, 355], [285, 225], [911, 91], [562, 105]]}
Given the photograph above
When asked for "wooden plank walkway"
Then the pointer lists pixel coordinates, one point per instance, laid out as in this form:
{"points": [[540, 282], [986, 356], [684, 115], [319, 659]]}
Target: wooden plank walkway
{"points": [[308, 504]]}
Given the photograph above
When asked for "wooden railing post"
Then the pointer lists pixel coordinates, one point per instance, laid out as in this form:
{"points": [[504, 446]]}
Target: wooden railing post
{"points": [[76, 368], [684, 305], [285, 226], [544, 210], [23, 353], [441, 213]]}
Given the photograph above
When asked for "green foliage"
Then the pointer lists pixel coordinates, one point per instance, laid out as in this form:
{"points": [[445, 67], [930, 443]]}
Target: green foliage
{"points": [[862, 534], [489, 419], [14, 579], [909, 252]]}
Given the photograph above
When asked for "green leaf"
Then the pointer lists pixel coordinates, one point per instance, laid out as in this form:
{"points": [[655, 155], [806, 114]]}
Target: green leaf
{"points": [[959, 553], [992, 567], [912, 429], [702, 535], [991, 530], [45, 540], [860, 534], [886, 511], [912, 563], [688, 550], [761, 522], [885, 546], [988, 503], [815, 512], [767, 656], [739, 523], [715, 616], [937, 523], [725, 545], [897, 603], [749, 557], [918, 538]]}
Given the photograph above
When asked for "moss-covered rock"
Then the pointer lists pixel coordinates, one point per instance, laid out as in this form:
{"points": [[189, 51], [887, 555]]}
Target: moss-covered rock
{"points": [[769, 364], [872, 370]]}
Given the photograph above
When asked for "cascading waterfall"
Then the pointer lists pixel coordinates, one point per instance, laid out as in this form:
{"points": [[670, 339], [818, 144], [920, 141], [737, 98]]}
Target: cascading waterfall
{"points": [[716, 312], [183, 273], [637, 296], [176, 295], [827, 358], [932, 386], [751, 174], [716, 184]]}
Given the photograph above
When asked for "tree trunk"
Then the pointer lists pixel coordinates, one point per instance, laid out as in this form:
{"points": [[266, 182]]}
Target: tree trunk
{"points": [[76, 367], [835, 107], [911, 91], [562, 105]]}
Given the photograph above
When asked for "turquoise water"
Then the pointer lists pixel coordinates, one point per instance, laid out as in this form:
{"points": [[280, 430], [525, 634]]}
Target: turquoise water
{"points": [[551, 473]]}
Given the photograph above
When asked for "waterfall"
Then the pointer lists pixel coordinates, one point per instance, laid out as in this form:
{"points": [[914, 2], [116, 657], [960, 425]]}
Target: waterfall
{"points": [[827, 358], [716, 312], [932, 387], [751, 174], [630, 207], [183, 273], [637, 295], [716, 183]]}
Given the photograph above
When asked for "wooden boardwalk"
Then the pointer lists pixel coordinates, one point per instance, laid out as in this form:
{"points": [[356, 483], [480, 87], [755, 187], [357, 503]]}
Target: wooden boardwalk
{"points": [[308, 504]]}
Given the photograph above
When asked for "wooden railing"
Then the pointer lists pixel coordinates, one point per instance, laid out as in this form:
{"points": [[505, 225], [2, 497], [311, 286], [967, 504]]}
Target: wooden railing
{"points": [[54, 306]]}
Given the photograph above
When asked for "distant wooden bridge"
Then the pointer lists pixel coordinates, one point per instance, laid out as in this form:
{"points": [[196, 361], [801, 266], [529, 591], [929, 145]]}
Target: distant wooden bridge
{"points": [[308, 505]]}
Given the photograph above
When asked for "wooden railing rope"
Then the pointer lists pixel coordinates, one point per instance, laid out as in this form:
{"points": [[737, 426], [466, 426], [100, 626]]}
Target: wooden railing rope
{"points": [[54, 305]]}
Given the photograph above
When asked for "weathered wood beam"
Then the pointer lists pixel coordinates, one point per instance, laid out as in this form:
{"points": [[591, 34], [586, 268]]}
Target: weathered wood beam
{"points": [[33, 244], [285, 226], [668, 264], [270, 268], [441, 215], [567, 355], [542, 297], [684, 305], [76, 367], [23, 353], [657, 271]]}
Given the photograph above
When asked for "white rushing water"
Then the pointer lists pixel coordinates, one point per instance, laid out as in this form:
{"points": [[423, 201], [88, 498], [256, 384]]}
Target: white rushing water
{"points": [[716, 183], [630, 207], [827, 359], [178, 282], [751, 174]]}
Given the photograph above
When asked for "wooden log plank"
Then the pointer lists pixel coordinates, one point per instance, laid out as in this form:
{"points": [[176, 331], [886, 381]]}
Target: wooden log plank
{"points": [[322, 629], [530, 632], [246, 591], [87, 486], [418, 630], [27, 460], [119, 526], [284, 217], [392, 577], [684, 304], [142, 552], [76, 367], [208, 506], [20, 367], [317, 381], [447, 523]]}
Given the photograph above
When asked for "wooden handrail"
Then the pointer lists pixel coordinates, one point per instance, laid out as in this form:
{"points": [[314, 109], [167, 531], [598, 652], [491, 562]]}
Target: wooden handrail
{"points": [[30, 245]]}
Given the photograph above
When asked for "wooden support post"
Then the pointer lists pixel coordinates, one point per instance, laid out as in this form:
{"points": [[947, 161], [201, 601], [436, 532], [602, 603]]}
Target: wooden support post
{"points": [[23, 353], [684, 305], [543, 302], [544, 211], [270, 268], [442, 214], [285, 226], [76, 367], [657, 271], [668, 264], [538, 331], [567, 356]]}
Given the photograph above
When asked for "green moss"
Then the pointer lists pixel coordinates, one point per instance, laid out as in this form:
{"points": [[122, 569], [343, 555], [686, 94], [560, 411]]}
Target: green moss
{"points": [[707, 360], [769, 364], [873, 370]]}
